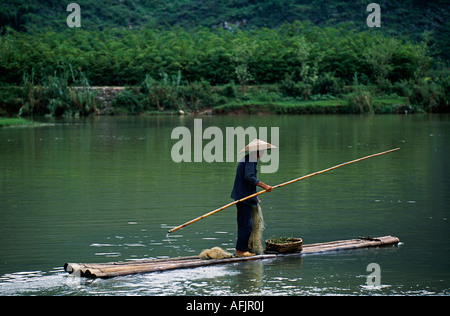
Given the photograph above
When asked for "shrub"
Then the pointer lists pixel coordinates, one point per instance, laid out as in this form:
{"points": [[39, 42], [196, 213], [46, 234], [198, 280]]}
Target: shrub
{"points": [[229, 90], [162, 94], [328, 84], [127, 101], [197, 95], [290, 88], [360, 101], [431, 95], [11, 99], [83, 100]]}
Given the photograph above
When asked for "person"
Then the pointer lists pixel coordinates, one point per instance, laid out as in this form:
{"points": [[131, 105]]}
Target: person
{"points": [[245, 184]]}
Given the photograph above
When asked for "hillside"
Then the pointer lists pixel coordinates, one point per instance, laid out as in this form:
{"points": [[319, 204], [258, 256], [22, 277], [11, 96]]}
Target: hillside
{"points": [[409, 18]]}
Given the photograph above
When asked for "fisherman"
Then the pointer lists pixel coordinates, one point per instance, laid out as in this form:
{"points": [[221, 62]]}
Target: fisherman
{"points": [[244, 185]]}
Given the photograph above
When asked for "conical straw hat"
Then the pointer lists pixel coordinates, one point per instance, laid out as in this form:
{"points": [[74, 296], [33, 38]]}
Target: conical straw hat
{"points": [[257, 144]]}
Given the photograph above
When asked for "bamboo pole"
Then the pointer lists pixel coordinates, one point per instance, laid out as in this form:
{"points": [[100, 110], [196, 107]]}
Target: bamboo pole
{"points": [[279, 186]]}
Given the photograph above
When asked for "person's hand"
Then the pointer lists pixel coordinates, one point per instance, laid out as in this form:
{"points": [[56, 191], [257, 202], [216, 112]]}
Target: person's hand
{"points": [[268, 188]]}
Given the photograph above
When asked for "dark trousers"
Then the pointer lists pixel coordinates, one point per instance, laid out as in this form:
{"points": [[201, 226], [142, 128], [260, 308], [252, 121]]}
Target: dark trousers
{"points": [[245, 225]]}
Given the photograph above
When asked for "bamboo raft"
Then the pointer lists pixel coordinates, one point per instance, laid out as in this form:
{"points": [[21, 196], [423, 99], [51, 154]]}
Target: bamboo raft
{"points": [[113, 269]]}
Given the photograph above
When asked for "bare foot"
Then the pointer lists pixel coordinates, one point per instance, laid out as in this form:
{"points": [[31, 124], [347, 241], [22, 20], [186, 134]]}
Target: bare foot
{"points": [[240, 253]]}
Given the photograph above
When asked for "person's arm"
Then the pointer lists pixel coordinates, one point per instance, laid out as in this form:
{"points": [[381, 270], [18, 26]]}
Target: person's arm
{"points": [[250, 177]]}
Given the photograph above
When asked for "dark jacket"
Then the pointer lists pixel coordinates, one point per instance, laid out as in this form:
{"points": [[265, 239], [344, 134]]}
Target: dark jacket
{"points": [[245, 181]]}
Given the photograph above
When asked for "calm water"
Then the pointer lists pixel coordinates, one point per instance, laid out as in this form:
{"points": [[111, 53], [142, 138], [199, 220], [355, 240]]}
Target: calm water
{"points": [[106, 189]]}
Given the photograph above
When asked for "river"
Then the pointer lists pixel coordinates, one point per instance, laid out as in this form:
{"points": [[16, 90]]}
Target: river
{"points": [[103, 189]]}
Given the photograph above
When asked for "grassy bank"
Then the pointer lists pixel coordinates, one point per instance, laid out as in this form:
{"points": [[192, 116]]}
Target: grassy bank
{"points": [[9, 121], [170, 95], [381, 105]]}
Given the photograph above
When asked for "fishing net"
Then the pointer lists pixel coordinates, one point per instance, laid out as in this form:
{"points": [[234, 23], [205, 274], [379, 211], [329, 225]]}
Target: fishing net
{"points": [[254, 243], [214, 253]]}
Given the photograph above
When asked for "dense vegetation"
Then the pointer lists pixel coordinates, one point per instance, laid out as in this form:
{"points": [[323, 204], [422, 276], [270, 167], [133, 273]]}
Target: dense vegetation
{"points": [[181, 55], [410, 18]]}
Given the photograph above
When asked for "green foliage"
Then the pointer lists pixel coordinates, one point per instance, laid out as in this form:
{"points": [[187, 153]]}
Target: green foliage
{"points": [[52, 96], [360, 101], [162, 94], [13, 121], [83, 99], [124, 57], [127, 102], [281, 240], [430, 95], [11, 99], [327, 84], [196, 60], [170, 93], [229, 90], [379, 56], [400, 18], [291, 88], [197, 95]]}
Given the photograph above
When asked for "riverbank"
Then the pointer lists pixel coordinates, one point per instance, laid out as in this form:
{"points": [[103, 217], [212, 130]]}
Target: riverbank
{"points": [[386, 105], [15, 121], [167, 98]]}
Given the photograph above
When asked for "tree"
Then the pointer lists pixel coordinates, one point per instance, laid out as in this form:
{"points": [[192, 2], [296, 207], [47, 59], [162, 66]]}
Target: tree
{"points": [[379, 57], [308, 69], [242, 54]]}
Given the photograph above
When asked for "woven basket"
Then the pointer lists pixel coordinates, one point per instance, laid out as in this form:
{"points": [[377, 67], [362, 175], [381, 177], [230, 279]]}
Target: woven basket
{"points": [[295, 246]]}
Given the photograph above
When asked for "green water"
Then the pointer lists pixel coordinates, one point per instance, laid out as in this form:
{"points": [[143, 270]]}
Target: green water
{"points": [[106, 189]]}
